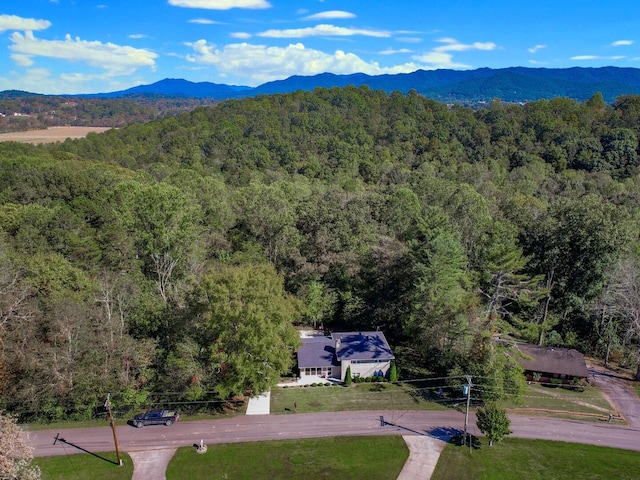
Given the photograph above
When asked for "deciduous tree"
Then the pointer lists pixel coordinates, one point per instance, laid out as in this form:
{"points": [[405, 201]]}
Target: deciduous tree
{"points": [[493, 422], [15, 452], [246, 320]]}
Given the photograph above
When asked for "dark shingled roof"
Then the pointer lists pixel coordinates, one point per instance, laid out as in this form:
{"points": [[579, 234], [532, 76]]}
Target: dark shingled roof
{"points": [[562, 361], [362, 346], [317, 352]]}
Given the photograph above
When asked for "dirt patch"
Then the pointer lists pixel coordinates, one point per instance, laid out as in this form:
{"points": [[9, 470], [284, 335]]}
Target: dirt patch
{"points": [[50, 135]]}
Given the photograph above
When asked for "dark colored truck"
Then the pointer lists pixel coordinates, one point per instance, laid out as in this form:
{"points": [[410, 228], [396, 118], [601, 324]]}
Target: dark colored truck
{"points": [[156, 417]]}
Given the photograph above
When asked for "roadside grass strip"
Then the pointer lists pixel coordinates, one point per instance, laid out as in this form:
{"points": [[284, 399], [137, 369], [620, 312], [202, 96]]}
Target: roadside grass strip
{"points": [[76, 465], [379, 457], [589, 404], [536, 460]]}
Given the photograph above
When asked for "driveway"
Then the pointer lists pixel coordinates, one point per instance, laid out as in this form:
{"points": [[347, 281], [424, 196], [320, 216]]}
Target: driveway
{"points": [[620, 395]]}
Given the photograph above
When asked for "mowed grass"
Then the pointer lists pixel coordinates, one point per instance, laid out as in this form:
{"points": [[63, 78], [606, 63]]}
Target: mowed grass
{"points": [[85, 466], [589, 401], [375, 457], [320, 458], [516, 458], [364, 396]]}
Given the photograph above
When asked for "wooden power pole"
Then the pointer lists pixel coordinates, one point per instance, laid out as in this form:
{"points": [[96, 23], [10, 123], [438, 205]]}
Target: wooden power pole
{"points": [[113, 428], [466, 415]]}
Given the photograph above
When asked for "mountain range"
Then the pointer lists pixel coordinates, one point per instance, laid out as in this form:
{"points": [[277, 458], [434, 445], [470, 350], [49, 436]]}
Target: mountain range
{"points": [[514, 84]]}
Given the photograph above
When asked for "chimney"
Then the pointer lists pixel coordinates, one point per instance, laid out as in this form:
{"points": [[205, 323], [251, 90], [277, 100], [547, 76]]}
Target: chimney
{"points": [[337, 345]]}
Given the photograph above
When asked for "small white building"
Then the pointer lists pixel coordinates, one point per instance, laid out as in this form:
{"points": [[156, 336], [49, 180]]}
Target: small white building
{"points": [[367, 353]]}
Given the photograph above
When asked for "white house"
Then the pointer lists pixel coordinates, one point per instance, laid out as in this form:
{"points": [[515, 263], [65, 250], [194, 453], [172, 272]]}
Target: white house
{"points": [[367, 353]]}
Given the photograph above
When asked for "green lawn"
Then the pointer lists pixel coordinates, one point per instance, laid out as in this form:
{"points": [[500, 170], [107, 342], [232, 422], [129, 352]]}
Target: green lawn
{"points": [[85, 466], [364, 458], [321, 458], [589, 401], [364, 396], [537, 459]]}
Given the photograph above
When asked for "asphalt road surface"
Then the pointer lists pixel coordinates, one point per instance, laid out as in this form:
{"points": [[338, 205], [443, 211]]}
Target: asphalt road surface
{"points": [[271, 427], [620, 394]]}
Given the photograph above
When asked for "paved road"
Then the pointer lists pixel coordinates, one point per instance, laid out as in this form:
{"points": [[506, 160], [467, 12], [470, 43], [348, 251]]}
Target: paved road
{"points": [[270, 427], [621, 396]]}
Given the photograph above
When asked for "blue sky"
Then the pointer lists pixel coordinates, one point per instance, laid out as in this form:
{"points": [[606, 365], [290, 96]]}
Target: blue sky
{"points": [[86, 46]]}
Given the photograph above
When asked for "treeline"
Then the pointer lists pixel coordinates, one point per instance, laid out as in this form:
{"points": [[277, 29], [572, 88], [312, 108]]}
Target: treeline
{"points": [[171, 259], [43, 111]]}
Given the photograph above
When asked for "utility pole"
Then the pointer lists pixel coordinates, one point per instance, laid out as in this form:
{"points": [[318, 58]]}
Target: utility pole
{"points": [[467, 387], [113, 428]]}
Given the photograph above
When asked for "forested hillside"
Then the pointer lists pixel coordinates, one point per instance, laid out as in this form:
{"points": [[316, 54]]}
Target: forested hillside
{"points": [[20, 111], [170, 260]]}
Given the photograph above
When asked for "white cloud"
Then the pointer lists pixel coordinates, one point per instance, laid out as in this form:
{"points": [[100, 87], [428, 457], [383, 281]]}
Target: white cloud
{"points": [[21, 60], [391, 51], [597, 57], [439, 57], [436, 60], [221, 4], [323, 30], [115, 59], [535, 48], [241, 35], [409, 39], [452, 45], [620, 43], [12, 22], [204, 21], [257, 64], [137, 36], [330, 14], [30, 81]]}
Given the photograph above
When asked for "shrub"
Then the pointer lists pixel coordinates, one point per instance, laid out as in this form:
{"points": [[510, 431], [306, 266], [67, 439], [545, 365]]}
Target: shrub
{"points": [[555, 382], [393, 372], [347, 377]]}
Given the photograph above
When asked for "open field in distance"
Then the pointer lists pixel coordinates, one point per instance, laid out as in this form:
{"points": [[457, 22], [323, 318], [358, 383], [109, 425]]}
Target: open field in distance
{"points": [[50, 135]]}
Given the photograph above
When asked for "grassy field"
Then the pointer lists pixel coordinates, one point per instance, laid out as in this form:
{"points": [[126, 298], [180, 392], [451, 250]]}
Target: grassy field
{"points": [[385, 396], [365, 396], [590, 401], [365, 458], [85, 466], [321, 458], [536, 459]]}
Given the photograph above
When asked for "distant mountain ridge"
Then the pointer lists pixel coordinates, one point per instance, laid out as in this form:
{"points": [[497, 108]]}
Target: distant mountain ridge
{"points": [[177, 87], [514, 84]]}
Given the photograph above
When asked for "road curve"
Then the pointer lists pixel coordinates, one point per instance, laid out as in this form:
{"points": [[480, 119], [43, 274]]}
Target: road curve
{"points": [[312, 425]]}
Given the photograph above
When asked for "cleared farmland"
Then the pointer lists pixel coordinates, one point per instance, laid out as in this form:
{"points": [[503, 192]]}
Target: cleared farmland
{"points": [[50, 135]]}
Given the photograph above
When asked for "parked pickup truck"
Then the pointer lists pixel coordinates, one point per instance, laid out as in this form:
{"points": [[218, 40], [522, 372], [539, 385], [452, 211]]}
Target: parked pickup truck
{"points": [[156, 417]]}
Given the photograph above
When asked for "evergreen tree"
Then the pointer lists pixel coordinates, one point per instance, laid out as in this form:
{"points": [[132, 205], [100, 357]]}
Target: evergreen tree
{"points": [[393, 372]]}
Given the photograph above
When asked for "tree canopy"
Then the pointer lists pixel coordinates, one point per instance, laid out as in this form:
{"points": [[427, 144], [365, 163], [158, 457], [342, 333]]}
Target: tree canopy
{"points": [[172, 259]]}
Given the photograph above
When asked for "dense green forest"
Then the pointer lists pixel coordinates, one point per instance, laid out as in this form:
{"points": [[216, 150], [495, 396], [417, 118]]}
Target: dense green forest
{"points": [[171, 260]]}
